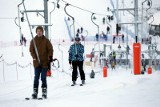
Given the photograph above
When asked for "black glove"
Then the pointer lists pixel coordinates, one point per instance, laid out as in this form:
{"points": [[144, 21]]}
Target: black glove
{"points": [[76, 55], [50, 59], [70, 62]]}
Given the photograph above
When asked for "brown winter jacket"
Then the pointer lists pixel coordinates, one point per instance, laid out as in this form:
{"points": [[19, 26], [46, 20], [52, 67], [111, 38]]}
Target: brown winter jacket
{"points": [[45, 50]]}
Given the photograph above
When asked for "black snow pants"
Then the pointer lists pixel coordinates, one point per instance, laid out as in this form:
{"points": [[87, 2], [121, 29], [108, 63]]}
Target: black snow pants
{"points": [[77, 64]]}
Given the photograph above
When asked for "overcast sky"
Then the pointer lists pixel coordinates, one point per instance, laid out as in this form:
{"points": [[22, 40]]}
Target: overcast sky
{"points": [[8, 9]]}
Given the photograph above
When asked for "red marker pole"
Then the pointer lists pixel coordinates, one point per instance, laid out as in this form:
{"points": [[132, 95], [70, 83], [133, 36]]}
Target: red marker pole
{"points": [[104, 71], [137, 58], [149, 70]]}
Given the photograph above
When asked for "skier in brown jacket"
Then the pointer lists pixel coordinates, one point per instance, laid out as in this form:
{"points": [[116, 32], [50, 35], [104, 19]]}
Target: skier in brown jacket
{"points": [[45, 54]]}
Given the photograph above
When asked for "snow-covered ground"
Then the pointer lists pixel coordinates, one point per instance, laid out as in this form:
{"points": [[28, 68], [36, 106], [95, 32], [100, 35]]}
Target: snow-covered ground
{"points": [[121, 88]]}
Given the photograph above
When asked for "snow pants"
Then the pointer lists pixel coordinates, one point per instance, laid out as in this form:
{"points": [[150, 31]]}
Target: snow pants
{"points": [[77, 64]]}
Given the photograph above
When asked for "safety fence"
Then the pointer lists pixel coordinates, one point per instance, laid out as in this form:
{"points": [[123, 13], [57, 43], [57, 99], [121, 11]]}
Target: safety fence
{"points": [[30, 68], [8, 44], [16, 65]]}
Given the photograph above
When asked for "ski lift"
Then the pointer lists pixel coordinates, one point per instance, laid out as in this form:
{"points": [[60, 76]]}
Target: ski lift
{"points": [[149, 3], [94, 18], [22, 18], [119, 46], [58, 6]]}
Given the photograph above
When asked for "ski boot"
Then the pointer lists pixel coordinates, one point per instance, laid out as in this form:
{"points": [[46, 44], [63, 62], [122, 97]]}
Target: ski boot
{"points": [[83, 82], [44, 93], [35, 93], [74, 83]]}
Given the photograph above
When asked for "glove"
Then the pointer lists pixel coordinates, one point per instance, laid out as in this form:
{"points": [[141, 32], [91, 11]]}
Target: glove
{"points": [[50, 59], [76, 55], [70, 62]]}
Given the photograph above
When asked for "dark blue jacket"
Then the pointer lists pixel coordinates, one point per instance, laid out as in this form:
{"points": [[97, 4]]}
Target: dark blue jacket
{"points": [[72, 52]]}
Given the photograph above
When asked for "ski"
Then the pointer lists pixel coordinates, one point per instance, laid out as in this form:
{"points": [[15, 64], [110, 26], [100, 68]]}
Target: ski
{"points": [[44, 96], [75, 84], [81, 84], [40, 98]]}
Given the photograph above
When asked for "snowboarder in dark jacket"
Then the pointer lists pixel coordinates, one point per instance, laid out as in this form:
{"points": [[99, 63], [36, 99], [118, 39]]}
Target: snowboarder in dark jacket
{"points": [[76, 52]]}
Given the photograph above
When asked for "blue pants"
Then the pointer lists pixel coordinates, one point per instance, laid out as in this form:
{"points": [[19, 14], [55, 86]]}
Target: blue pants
{"points": [[40, 71]]}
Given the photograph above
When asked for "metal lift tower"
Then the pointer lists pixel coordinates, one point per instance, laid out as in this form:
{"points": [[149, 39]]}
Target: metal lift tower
{"points": [[45, 16]]}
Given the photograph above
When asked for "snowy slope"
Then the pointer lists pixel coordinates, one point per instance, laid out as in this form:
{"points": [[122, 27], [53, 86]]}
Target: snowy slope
{"points": [[120, 88]]}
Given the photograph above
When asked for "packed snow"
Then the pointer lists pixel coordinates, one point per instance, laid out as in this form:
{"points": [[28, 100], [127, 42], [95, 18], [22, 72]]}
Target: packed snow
{"points": [[120, 88]]}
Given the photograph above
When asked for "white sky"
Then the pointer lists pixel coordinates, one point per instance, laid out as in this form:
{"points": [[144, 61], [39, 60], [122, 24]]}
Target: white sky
{"points": [[8, 8], [9, 31]]}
